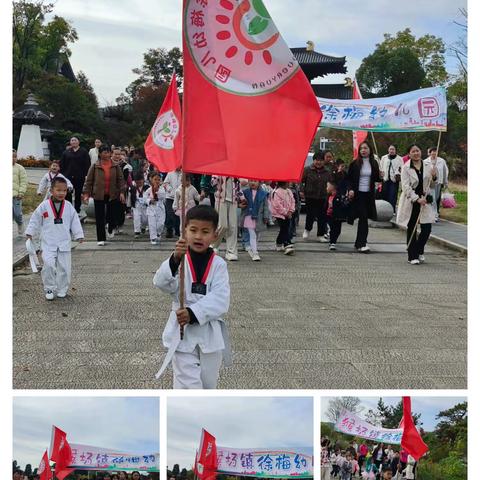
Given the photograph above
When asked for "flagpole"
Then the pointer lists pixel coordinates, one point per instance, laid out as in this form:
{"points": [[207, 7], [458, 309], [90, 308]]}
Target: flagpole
{"points": [[182, 206], [375, 145], [427, 189]]}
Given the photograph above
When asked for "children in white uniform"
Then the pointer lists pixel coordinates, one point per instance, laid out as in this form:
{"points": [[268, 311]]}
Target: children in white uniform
{"points": [[138, 201], [57, 221], [198, 356], [191, 197], [155, 207], [45, 184]]}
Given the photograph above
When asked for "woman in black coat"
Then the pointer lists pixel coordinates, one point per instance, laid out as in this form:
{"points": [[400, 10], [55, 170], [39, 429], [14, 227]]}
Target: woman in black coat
{"points": [[362, 174]]}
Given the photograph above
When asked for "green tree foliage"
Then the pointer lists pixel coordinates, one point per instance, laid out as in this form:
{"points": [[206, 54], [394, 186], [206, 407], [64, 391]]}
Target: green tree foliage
{"points": [[389, 72], [157, 69]]}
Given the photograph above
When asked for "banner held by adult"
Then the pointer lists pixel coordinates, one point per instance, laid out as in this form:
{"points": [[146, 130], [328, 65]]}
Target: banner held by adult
{"points": [[249, 110]]}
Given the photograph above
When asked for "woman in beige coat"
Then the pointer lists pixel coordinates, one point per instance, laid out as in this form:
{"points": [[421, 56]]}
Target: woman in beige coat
{"points": [[418, 177]]}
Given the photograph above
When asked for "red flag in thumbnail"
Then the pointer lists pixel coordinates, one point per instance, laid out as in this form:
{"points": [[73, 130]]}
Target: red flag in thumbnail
{"points": [[249, 111], [44, 468], [60, 453], [359, 136], [207, 457], [411, 440], [163, 147]]}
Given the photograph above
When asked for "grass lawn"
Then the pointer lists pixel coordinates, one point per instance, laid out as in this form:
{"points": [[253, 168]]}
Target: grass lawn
{"points": [[31, 200], [458, 214]]}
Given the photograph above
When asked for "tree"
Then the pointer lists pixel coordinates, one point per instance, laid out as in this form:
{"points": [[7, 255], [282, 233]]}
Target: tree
{"points": [[338, 404], [158, 66], [28, 470], [453, 424], [429, 50], [390, 72], [28, 19], [176, 470], [459, 49]]}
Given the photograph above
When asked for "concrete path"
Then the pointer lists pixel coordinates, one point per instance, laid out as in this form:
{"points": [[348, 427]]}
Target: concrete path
{"points": [[318, 319], [451, 234]]}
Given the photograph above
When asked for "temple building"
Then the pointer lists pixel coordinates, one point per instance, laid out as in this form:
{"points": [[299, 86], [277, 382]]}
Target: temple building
{"points": [[316, 65]]}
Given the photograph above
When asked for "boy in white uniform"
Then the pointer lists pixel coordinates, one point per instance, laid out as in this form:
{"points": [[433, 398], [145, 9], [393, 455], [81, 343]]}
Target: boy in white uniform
{"points": [[138, 200], [198, 355], [57, 221], [45, 185], [155, 199]]}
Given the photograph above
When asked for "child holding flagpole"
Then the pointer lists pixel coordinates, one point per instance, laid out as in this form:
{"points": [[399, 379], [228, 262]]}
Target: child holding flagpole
{"points": [[197, 357]]}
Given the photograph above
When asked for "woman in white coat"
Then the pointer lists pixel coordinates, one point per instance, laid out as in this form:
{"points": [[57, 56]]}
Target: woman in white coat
{"points": [[410, 470], [418, 177]]}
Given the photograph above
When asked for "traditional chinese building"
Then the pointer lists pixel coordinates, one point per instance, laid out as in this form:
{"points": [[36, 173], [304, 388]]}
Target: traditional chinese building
{"points": [[315, 64]]}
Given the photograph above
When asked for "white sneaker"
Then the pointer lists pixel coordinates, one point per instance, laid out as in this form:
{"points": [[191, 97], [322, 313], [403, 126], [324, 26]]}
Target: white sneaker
{"points": [[101, 244], [414, 262], [280, 248], [289, 250], [110, 235], [421, 258], [364, 249], [322, 239], [118, 231], [256, 257], [61, 295], [231, 257], [154, 242], [49, 295], [332, 246], [20, 229], [305, 234], [327, 237], [250, 252]]}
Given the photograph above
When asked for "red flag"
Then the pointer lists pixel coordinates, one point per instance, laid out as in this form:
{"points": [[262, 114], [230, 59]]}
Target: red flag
{"points": [[60, 453], [249, 110], [207, 457], [44, 468], [411, 440], [163, 147], [359, 136]]}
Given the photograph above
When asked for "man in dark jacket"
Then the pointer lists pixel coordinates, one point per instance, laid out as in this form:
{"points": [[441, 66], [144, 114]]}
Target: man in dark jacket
{"points": [[314, 190], [74, 165]]}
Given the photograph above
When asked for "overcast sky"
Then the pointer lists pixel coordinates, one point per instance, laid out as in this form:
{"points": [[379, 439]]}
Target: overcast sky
{"points": [[427, 406], [120, 423], [242, 422], [114, 34]]}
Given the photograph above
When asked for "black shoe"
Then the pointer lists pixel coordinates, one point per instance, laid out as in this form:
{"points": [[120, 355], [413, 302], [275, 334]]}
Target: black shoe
{"points": [[169, 235]]}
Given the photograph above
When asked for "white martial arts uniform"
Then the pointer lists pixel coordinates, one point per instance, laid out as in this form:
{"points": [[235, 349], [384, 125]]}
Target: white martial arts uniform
{"points": [[198, 357], [140, 219], [56, 243], [155, 212], [46, 184]]}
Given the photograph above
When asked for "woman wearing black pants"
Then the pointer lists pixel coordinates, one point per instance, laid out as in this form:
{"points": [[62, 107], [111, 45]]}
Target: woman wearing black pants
{"points": [[362, 174], [106, 185], [416, 205]]}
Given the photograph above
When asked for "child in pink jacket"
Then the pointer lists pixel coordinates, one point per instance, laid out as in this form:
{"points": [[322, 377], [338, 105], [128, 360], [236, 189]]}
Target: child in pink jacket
{"points": [[282, 206]]}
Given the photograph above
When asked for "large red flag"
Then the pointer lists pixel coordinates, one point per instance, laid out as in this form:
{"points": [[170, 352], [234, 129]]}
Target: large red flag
{"points": [[359, 136], [249, 111], [207, 457], [60, 453], [411, 440], [163, 147], [44, 468]]}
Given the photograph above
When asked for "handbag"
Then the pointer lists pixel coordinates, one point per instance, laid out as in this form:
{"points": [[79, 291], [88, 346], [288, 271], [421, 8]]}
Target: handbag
{"points": [[448, 200]]}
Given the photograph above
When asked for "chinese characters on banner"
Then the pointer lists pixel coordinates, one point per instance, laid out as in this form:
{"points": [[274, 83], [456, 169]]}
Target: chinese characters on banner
{"points": [[85, 457], [420, 110], [271, 463], [352, 424]]}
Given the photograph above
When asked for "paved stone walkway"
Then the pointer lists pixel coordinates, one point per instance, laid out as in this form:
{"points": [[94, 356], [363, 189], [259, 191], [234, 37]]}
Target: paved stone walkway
{"points": [[318, 319]]}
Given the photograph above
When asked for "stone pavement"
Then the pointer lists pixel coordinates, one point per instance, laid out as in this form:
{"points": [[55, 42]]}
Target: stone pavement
{"points": [[451, 233], [318, 319]]}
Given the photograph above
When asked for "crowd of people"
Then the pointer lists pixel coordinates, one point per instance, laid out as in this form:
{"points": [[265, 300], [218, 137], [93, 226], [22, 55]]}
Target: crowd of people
{"points": [[19, 474], [123, 184], [367, 461]]}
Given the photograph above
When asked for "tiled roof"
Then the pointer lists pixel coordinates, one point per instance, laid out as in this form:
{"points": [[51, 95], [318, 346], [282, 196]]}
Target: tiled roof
{"points": [[333, 90], [306, 57]]}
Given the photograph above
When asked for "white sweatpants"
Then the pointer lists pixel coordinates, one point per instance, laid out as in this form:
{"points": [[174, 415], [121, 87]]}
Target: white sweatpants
{"points": [[227, 226], [196, 370], [254, 238], [140, 219], [155, 225], [56, 271]]}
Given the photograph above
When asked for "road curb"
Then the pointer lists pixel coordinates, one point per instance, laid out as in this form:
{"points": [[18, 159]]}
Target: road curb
{"points": [[442, 242]]}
